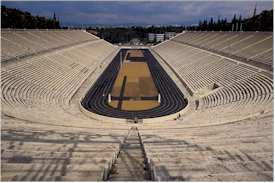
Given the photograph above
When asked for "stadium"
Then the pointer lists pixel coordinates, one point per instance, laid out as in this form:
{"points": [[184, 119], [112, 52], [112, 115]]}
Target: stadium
{"points": [[196, 107]]}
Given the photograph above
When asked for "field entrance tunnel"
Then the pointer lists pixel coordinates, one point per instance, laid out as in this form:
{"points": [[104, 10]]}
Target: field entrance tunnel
{"points": [[134, 86]]}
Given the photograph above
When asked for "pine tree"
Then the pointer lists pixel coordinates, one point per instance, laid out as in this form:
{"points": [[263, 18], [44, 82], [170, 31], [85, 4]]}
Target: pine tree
{"points": [[240, 22], [210, 24], [233, 23], [255, 11], [54, 17]]}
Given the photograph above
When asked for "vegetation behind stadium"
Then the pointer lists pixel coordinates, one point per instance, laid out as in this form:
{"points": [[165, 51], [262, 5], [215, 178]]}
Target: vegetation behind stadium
{"points": [[13, 18]]}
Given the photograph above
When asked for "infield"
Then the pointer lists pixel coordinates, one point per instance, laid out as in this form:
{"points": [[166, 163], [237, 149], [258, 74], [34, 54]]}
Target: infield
{"points": [[134, 83]]}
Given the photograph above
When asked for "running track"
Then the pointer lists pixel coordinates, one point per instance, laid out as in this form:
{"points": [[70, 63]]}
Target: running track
{"points": [[172, 99]]}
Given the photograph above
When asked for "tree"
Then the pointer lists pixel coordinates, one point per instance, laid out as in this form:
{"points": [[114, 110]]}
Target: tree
{"points": [[233, 23], [240, 23], [205, 25], [261, 22], [211, 24], [13, 18]]}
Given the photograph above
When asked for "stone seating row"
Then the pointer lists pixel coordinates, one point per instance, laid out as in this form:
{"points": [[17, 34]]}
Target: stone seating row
{"points": [[238, 151], [41, 152], [47, 80], [16, 44], [247, 45]]}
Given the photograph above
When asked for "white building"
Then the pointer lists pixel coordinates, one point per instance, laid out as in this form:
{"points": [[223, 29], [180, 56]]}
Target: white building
{"points": [[151, 37], [159, 37], [169, 35]]}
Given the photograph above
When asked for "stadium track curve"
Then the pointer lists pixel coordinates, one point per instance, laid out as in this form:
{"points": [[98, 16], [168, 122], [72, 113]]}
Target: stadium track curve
{"points": [[172, 99]]}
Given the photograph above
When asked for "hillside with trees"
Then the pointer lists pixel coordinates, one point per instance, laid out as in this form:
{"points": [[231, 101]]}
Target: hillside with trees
{"points": [[14, 18], [261, 22]]}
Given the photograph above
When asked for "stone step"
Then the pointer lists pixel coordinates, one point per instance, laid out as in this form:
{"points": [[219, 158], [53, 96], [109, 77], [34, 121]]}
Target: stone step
{"points": [[26, 167], [131, 148], [127, 172], [131, 145], [206, 176], [130, 160], [127, 179], [27, 176], [129, 166], [86, 175], [126, 167], [132, 155]]}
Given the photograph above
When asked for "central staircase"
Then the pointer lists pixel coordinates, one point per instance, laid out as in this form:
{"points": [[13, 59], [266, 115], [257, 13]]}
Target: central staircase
{"points": [[130, 164]]}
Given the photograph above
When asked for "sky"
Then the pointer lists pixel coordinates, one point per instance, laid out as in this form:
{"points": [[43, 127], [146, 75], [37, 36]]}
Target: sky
{"points": [[115, 13]]}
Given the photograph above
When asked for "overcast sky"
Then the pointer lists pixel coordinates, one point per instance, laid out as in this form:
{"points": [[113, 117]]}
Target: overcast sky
{"points": [[139, 12]]}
